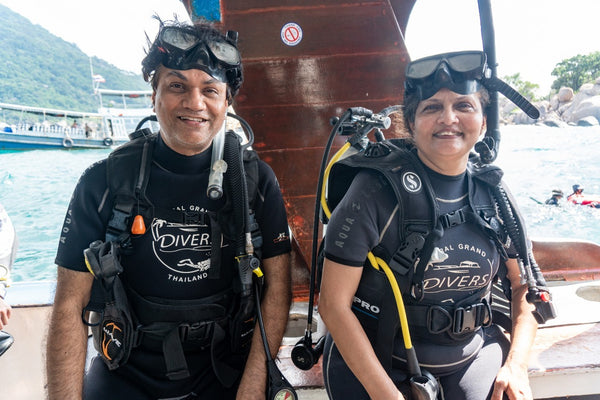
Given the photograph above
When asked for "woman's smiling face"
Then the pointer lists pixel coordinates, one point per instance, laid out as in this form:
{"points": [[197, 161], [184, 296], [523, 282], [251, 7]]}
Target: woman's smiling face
{"points": [[447, 125]]}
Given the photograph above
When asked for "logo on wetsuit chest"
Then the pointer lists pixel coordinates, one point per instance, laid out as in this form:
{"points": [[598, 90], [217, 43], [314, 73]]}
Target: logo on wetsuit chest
{"points": [[185, 250]]}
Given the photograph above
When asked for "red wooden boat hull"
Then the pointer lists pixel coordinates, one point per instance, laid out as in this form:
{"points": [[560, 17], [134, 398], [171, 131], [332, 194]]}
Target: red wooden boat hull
{"points": [[305, 63]]}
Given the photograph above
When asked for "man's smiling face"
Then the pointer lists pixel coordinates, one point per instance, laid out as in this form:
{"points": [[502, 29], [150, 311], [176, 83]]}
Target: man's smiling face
{"points": [[191, 107]]}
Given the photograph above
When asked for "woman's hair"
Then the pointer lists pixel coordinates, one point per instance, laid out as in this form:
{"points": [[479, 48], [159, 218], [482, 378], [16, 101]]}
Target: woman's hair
{"points": [[411, 102]]}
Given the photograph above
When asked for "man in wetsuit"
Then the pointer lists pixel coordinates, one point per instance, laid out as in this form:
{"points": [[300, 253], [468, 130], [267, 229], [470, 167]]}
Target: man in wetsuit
{"points": [[557, 194], [195, 72]]}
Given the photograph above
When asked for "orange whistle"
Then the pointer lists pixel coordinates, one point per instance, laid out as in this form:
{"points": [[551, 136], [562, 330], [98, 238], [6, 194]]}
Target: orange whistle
{"points": [[138, 227]]}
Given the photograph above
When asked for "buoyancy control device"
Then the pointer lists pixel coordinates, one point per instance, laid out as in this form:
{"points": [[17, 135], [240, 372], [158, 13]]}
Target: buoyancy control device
{"points": [[175, 325], [357, 123]]}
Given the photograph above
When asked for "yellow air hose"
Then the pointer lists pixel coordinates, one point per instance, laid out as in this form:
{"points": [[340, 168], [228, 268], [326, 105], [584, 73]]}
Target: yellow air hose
{"points": [[376, 262]]}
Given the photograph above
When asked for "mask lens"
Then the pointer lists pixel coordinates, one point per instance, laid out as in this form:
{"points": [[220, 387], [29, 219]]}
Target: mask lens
{"points": [[224, 52], [466, 62], [422, 68], [179, 39]]}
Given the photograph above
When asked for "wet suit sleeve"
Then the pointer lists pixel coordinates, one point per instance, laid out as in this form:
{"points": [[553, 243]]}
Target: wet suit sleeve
{"points": [[356, 224], [271, 214], [86, 218]]}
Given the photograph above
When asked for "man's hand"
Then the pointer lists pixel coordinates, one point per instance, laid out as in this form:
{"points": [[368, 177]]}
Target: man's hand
{"points": [[5, 311]]}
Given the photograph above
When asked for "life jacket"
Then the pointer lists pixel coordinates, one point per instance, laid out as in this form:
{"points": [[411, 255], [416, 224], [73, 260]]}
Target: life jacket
{"points": [[123, 319], [421, 224]]}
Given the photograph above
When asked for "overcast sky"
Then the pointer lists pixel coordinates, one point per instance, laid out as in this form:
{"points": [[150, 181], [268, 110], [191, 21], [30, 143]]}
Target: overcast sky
{"points": [[532, 36]]}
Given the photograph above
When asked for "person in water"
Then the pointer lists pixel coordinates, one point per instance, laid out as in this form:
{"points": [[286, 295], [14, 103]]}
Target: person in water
{"points": [[445, 114], [182, 276], [578, 198], [554, 200], [577, 194]]}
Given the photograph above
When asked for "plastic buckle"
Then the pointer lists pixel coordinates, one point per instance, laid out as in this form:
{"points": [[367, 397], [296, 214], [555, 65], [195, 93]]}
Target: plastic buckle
{"points": [[194, 331], [453, 219], [408, 251], [433, 314], [183, 332], [117, 223], [468, 319], [193, 217]]}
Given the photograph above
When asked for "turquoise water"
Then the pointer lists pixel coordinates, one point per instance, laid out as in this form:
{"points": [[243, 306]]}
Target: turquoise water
{"points": [[35, 187]]}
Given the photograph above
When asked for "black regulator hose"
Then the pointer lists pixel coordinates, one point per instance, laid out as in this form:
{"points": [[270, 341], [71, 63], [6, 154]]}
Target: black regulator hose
{"points": [[304, 356], [235, 184], [537, 293], [278, 386], [246, 128]]}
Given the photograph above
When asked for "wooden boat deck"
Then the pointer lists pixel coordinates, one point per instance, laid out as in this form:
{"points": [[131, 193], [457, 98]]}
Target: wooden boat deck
{"points": [[565, 359]]}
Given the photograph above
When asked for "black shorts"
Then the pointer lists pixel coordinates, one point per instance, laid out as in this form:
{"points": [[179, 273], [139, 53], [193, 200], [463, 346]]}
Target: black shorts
{"points": [[473, 382], [102, 384]]}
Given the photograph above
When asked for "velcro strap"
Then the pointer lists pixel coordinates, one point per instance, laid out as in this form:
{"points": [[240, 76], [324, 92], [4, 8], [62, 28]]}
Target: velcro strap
{"points": [[176, 365]]}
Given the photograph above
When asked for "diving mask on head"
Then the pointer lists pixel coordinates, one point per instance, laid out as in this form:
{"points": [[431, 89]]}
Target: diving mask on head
{"points": [[184, 50], [462, 72]]}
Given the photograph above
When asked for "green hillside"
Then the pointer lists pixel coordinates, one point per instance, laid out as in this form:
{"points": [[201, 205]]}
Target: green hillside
{"points": [[39, 69]]}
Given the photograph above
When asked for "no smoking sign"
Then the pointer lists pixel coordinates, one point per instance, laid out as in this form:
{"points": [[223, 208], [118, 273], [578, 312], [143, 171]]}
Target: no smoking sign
{"points": [[291, 34]]}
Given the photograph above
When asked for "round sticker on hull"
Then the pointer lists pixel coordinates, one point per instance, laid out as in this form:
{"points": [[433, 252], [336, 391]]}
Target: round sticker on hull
{"points": [[291, 34]]}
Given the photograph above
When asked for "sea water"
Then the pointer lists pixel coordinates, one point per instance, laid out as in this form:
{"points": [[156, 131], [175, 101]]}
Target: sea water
{"points": [[36, 185]]}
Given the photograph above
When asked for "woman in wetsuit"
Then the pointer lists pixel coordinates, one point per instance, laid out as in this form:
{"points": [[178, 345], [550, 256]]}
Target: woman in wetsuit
{"points": [[445, 113]]}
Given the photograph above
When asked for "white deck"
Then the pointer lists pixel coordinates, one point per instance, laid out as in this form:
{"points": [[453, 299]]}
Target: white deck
{"points": [[565, 359]]}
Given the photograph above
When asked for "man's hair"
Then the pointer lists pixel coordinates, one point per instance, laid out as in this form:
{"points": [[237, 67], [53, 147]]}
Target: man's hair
{"points": [[202, 29], [411, 102]]}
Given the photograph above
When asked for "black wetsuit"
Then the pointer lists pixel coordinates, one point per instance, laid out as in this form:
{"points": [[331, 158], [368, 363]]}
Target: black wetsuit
{"points": [[170, 261], [465, 260]]}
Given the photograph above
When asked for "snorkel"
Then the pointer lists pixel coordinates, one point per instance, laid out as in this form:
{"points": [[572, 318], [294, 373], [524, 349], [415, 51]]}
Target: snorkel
{"points": [[465, 72], [489, 146]]}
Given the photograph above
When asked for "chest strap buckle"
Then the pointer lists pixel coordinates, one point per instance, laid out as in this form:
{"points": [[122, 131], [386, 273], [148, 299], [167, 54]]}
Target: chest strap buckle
{"points": [[452, 219]]}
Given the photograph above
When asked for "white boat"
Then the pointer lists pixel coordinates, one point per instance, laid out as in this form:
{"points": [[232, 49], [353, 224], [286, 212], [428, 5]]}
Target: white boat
{"points": [[38, 128]]}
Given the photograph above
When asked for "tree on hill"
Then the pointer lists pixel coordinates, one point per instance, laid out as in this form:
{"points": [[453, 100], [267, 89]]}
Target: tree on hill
{"points": [[42, 70], [576, 71]]}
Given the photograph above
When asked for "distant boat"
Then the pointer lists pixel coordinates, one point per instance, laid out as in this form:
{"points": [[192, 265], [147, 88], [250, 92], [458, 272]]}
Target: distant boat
{"points": [[24, 127]]}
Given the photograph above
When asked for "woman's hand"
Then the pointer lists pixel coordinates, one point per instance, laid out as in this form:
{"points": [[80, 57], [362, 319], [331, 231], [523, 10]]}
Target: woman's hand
{"points": [[514, 382]]}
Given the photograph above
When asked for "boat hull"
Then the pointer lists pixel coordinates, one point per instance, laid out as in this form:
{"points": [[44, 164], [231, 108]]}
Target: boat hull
{"points": [[303, 65], [23, 140]]}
